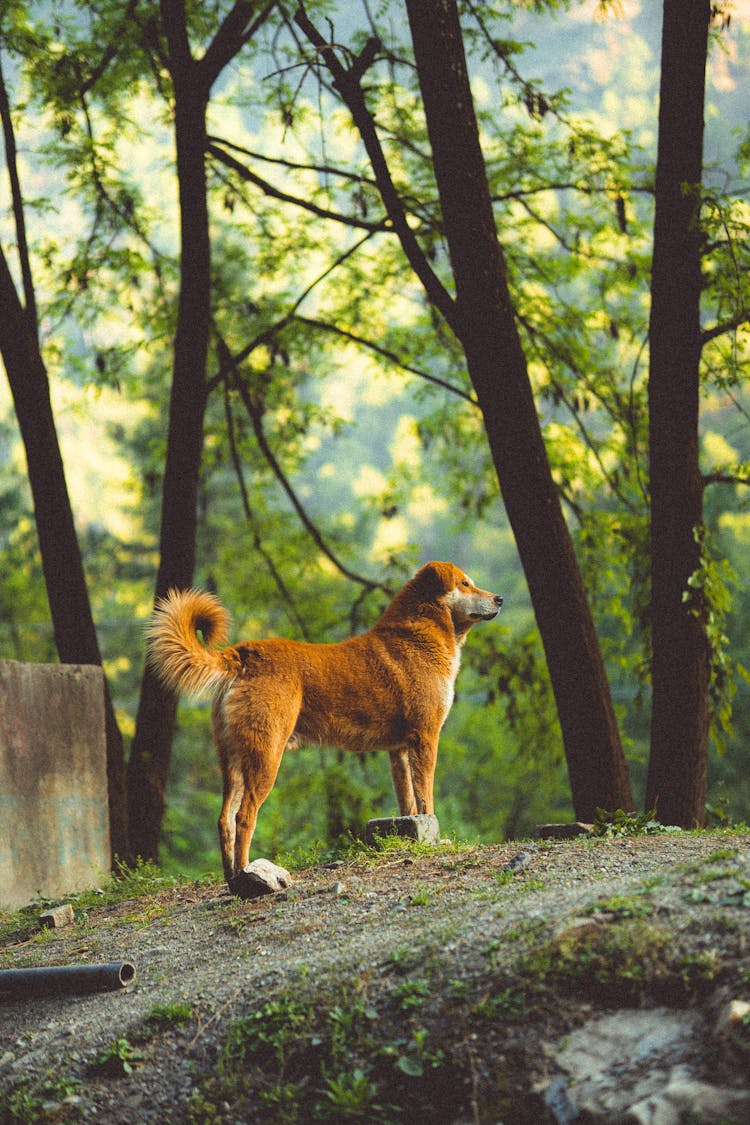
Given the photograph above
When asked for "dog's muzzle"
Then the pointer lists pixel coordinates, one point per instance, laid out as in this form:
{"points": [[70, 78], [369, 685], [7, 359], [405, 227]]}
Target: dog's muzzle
{"points": [[492, 613]]}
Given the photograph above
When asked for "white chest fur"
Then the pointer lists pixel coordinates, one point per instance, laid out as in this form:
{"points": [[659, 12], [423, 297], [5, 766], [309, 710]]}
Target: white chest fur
{"points": [[449, 684]]}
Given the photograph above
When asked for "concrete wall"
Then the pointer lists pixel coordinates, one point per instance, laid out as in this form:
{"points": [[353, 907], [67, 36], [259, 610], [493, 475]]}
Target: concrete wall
{"points": [[54, 826]]}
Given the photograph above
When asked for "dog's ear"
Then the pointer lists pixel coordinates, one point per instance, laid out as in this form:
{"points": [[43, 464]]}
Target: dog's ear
{"points": [[433, 579]]}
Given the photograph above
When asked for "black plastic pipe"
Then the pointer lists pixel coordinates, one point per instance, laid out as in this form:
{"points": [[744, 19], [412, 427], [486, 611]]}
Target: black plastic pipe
{"points": [[68, 979]]}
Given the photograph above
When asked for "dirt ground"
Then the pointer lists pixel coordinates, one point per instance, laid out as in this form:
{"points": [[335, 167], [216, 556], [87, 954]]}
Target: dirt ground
{"points": [[490, 955]]}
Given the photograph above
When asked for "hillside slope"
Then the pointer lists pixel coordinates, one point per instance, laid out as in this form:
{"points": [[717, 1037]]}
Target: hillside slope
{"points": [[455, 985]]}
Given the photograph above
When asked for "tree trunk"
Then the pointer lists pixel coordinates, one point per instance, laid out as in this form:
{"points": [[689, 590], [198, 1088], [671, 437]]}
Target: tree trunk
{"points": [[73, 624], [680, 664], [148, 766], [486, 326]]}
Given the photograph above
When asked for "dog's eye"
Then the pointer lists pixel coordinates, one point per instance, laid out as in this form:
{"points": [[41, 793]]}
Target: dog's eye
{"points": [[465, 582]]}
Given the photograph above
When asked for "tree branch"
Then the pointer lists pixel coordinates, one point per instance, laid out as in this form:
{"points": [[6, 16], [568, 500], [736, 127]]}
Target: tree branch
{"points": [[708, 334], [236, 30], [273, 330], [224, 357], [347, 84], [293, 165], [724, 477], [111, 50], [386, 353], [30, 310], [275, 193], [255, 412]]}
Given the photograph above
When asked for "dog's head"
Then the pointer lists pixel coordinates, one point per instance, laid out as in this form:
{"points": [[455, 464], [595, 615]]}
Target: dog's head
{"points": [[467, 604]]}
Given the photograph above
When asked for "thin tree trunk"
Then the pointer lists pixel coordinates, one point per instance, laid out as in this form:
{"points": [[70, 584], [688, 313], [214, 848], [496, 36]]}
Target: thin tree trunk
{"points": [[148, 766], [485, 324], [192, 81], [67, 593], [676, 784]]}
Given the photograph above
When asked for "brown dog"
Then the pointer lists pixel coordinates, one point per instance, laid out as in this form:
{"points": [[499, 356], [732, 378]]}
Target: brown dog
{"points": [[390, 689]]}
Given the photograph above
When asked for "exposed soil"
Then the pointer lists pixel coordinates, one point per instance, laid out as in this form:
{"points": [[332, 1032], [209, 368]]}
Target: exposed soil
{"points": [[468, 967]]}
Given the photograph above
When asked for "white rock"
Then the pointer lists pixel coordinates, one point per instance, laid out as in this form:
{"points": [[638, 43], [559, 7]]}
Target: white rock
{"points": [[684, 1095], [730, 1015], [261, 877]]}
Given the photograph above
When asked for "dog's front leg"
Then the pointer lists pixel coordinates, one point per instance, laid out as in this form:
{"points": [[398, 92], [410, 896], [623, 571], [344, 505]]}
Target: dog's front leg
{"points": [[422, 753], [401, 773]]}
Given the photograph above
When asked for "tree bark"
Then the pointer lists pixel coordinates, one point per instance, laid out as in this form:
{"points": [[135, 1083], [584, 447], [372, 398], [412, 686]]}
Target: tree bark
{"points": [[486, 326], [676, 784], [67, 593], [148, 765]]}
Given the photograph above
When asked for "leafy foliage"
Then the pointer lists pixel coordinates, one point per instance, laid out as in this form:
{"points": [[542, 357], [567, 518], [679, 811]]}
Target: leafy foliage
{"points": [[342, 442]]}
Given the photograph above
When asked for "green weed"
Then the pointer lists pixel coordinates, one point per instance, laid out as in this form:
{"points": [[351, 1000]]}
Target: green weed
{"points": [[118, 1058], [325, 1054], [349, 1095], [413, 993], [619, 823], [420, 897], [52, 1097]]}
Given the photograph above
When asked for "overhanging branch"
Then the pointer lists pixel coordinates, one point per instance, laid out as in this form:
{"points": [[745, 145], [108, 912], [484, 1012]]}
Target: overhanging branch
{"points": [[255, 411], [347, 83], [269, 189]]}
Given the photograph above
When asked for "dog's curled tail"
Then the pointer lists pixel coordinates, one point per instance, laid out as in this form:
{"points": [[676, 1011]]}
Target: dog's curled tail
{"points": [[175, 651]]}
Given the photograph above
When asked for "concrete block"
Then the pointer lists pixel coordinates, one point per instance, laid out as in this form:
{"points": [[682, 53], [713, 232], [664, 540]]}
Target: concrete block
{"points": [[54, 824], [57, 917], [423, 828]]}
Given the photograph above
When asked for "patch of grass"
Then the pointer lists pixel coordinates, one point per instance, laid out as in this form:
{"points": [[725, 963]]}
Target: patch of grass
{"points": [[350, 1095], [143, 881], [715, 876], [721, 855], [421, 896], [326, 1054], [622, 906], [505, 1005], [165, 1017], [387, 848], [49, 1098], [627, 961], [312, 855], [403, 958]]}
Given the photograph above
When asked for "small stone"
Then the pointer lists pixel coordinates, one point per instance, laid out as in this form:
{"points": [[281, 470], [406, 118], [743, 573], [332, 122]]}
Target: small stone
{"points": [[424, 828], [520, 860], [57, 917], [736, 1011], [261, 877]]}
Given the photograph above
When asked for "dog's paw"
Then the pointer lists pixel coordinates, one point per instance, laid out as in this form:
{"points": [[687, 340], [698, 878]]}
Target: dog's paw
{"points": [[261, 877]]}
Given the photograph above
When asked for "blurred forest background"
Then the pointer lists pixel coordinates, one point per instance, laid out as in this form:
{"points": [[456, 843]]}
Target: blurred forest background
{"points": [[351, 449]]}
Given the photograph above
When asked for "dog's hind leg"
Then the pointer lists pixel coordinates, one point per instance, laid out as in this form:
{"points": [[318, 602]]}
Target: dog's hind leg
{"points": [[260, 768], [401, 773], [233, 792]]}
